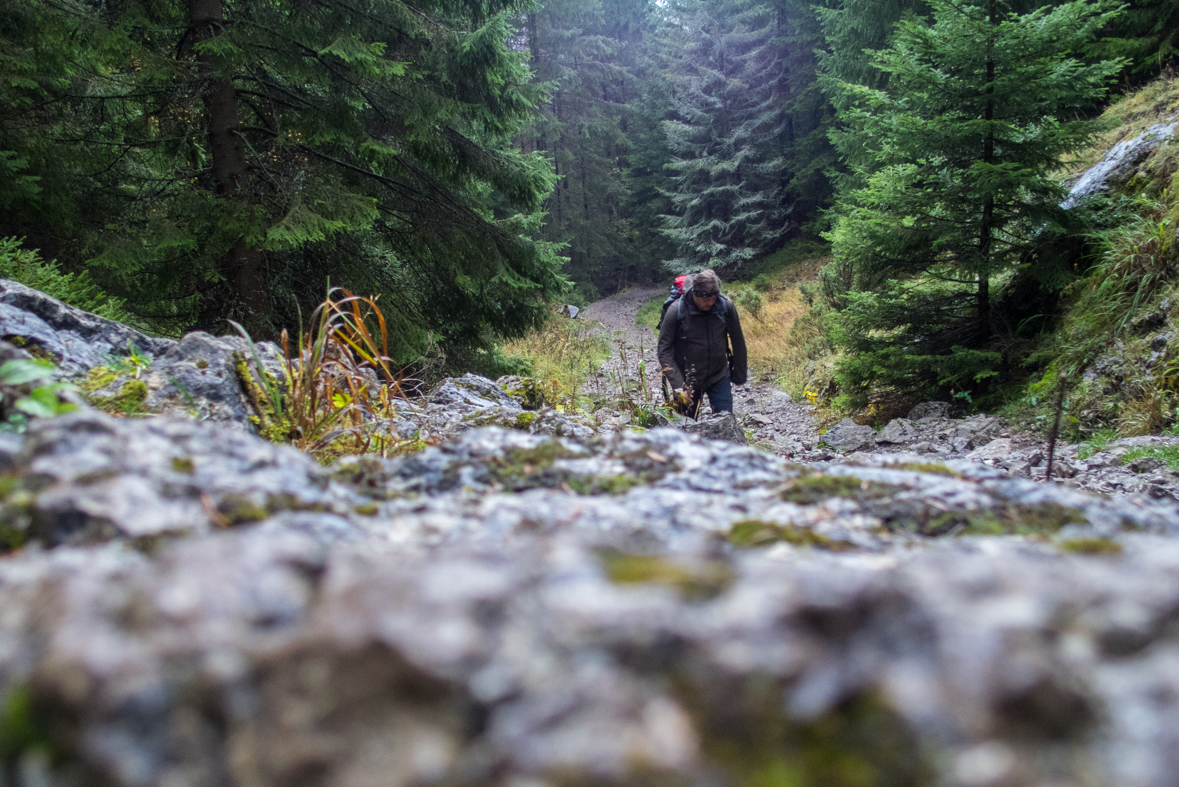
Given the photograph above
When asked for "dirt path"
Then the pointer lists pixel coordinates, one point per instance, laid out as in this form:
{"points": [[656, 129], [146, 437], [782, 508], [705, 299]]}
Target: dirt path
{"points": [[774, 418]]}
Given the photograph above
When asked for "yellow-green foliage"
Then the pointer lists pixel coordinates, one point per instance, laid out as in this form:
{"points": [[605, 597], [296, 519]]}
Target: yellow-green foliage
{"points": [[1136, 270], [1129, 116], [693, 580]]}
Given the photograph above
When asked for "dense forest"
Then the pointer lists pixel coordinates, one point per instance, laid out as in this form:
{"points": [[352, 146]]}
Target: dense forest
{"points": [[179, 165]]}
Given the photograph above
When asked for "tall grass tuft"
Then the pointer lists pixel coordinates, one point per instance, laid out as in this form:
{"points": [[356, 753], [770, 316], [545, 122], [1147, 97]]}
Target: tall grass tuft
{"points": [[338, 385]]}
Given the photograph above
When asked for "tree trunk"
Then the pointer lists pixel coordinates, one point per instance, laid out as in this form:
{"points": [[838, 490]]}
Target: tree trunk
{"points": [[244, 296], [983, 296]]}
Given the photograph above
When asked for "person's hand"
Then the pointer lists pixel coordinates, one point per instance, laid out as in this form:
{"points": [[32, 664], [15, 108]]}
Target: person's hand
{"points": [[679, 395]]}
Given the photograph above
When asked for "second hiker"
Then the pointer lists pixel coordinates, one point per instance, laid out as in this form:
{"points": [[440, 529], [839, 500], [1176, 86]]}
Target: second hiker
{"points": [[702, 348]]}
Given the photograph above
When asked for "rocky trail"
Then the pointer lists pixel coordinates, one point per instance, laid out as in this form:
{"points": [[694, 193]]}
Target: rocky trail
{"points": [[774, 419], [540, 599], [782, 426]]}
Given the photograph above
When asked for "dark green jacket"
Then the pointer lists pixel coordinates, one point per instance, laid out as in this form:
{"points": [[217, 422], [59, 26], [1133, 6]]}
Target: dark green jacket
{"points": [[694, 346]]}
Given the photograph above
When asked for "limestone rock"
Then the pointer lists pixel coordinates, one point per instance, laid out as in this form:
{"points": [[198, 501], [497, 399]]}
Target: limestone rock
{"points": [[999, 448], [898, 431], [76, 340], [930, 410], [1119, 163], [87, 477], [849, 436], [722, 426]]}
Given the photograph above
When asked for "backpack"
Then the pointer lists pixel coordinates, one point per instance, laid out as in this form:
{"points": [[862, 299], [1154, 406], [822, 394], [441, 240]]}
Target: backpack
{"points": [[677, 290]]}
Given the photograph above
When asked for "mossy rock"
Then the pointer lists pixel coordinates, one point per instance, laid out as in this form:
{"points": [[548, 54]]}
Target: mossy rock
{"points": [[1044, 519], [129, 400], [755, 533], [695, 580], [809, 489], [925, 467], [749, 736], [1091, 546], [529, 468]]}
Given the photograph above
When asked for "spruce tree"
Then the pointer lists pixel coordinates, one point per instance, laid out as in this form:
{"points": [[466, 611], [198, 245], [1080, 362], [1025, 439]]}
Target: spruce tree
{"points": [[587, 50], [975, 117], [238, 154], [725, 66]]}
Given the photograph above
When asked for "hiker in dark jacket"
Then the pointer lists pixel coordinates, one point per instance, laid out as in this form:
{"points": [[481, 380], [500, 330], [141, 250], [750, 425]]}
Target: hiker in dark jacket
{"points": [[702, 348]]}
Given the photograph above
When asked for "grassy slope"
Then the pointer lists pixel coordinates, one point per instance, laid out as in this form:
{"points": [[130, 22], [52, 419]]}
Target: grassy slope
{"points": [[1116, 349]]}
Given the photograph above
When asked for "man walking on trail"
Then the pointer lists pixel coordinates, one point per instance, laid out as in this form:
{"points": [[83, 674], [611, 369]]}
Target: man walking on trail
{"points": [[702, 348]]}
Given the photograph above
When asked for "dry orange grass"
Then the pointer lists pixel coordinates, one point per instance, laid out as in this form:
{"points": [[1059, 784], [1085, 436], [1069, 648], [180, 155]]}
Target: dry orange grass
{"points": [[768, 339]]}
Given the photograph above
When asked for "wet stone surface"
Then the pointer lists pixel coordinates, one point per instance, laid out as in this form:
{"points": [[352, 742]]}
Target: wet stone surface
{"points": [[509, 606], [544, 599]]}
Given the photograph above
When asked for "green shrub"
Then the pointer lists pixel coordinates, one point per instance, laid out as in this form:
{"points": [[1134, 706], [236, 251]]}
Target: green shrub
{"points": [[751, 301], [76, 289]]}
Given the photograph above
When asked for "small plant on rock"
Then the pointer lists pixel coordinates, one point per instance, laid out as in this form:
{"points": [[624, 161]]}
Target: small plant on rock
{"points": [[27, 390], [338, 385]]}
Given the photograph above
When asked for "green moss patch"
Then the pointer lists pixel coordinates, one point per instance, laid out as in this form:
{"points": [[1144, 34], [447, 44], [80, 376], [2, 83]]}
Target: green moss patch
{"points": [[129, 401], [811, 489], [240, 509], [693, 580], [755, 533], [924, 467], [1091, 546], [98, 378], [1003, 520], [272, 426], [748, 735], [183, 464], [529, 468]]}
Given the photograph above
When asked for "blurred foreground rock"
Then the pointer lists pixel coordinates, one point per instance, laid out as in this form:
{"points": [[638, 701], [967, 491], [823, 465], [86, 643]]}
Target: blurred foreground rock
{"points": [[511, 608]]}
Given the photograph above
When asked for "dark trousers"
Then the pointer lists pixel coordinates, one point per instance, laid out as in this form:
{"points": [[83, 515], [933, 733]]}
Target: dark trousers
{"points": [[720, 396]]}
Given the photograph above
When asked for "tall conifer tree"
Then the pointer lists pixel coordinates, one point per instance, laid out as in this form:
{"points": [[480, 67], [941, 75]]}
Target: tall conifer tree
{"points": [[239, 153], [976, 114], [725, 66]]}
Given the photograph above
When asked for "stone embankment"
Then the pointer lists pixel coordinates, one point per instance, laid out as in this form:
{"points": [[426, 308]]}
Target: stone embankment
{"points": [[187, 604]]}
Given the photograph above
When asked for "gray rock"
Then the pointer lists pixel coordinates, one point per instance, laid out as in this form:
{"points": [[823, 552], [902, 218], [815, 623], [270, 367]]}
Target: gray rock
{"points": [[930, 410], [87, 477], [76, 340], [847, 436], [1119, 163], [198, 377], [898, 431], [999, 448], [472, 392], [722, 426]]}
